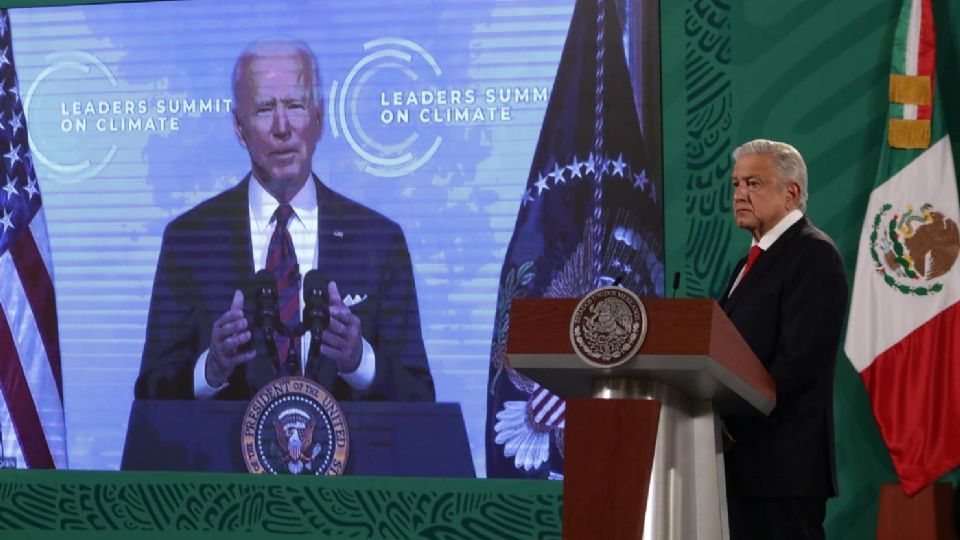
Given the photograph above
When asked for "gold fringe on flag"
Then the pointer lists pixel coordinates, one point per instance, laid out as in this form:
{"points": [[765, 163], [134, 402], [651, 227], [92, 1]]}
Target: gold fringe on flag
{"points": [[910, 89], [909, 133]]}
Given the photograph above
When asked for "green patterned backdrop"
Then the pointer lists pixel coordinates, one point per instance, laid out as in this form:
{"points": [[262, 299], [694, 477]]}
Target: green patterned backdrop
{"points": [[810, 72], [74, 504]]}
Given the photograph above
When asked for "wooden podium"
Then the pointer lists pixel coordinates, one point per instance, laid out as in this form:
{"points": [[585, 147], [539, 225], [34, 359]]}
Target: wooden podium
{"points": [[643, 445]]}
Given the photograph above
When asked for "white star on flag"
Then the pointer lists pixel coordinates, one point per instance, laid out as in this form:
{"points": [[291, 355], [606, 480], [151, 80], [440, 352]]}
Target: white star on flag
{"points": [[541, 184], [15, 123], [13, 155], [10, 187], [5, 220], [618, 165]]}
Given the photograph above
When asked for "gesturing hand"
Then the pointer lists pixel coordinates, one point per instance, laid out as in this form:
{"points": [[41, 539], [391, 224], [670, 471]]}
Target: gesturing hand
{"points": [[342, 340], [227, 339]]}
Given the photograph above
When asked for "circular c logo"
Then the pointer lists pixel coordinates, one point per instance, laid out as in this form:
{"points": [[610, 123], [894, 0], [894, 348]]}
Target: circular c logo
{"points": [[381, 159], [69, 173]]}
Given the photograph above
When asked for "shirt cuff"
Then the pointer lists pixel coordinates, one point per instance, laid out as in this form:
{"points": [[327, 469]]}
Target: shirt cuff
{"points": [[202, 390], [365, 372]]}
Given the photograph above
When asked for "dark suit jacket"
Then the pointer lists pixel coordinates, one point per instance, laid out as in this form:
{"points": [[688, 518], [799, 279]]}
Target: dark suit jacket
{"points": [[207, 254], [790, 310]]}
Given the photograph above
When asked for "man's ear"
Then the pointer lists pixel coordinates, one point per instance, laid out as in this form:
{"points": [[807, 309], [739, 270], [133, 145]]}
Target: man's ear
{"points": [[238, 130], [793, 195]]}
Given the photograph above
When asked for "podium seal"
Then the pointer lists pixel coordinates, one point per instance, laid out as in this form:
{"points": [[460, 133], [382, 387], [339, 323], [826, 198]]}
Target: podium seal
{"points": [[608, 327], [294, 426]]}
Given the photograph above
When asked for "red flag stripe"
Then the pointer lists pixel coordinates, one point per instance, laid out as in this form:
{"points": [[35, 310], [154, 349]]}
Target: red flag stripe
{"points": [[927, 54], [39, 291], [921, 370], [23, 411]]}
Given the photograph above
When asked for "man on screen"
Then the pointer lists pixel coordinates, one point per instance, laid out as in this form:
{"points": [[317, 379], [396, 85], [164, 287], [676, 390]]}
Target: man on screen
{"points": [[201, 341], [787, 298]]}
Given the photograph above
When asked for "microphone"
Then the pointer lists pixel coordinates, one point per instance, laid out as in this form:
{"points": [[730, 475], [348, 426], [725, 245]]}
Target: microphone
{"points": [[264, 319], [265, 296], [676, 283], [619, 280], [316, 313]]}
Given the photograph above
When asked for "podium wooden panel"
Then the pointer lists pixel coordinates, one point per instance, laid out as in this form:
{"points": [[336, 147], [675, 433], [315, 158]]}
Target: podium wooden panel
{"points": [[692, 363], [604, 424], [928, 515]]}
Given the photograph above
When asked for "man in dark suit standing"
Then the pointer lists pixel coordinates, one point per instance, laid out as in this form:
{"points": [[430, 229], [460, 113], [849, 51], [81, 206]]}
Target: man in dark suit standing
{"points": [[201, 342], [787, 298]]}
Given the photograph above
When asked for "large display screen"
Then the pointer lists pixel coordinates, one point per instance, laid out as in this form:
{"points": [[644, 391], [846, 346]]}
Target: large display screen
{"points": [[433, 111]]}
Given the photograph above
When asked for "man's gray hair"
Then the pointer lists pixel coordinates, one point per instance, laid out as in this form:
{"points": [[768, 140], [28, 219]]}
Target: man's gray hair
{"points": [[787, 160], [272, 47]]}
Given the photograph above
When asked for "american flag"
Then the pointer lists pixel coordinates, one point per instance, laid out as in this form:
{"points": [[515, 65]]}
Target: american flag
{"points": [[31, 385]]}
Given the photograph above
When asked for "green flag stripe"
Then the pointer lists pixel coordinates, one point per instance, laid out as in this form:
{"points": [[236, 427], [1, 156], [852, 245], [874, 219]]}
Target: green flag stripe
{"points": [[898, 63]]}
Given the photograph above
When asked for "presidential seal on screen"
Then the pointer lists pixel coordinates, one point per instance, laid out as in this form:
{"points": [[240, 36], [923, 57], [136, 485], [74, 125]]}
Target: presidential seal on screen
{"points": [[294, 426], [608, 326]]}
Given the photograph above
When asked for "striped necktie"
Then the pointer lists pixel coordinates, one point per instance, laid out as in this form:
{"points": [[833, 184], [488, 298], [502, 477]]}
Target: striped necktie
{"points": [[282, 262]]}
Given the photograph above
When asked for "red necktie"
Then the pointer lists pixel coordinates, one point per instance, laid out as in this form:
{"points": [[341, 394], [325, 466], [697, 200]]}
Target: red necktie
{"points": [[755, 252], [282, 261]]}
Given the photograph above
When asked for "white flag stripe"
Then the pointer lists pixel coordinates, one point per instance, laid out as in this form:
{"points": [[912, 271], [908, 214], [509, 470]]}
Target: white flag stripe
{"points": [[913, 39], [910, 111], [556, 415], [33, 358], [38, 227], [546, 408], [877, 310], [538, 396], [11, 444]]}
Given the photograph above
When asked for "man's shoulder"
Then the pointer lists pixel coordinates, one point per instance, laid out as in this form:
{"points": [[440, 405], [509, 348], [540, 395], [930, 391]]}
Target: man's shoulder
{"points": [[340, 207], [810, 241], [805, 233], [222, 205]]}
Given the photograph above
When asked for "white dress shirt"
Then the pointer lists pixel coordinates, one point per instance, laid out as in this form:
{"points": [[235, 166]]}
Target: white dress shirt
{"points": [[303, 230]]}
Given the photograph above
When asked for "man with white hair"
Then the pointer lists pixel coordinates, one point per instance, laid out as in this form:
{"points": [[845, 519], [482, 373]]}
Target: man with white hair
{"points": [[787, 298], [201, 342]]}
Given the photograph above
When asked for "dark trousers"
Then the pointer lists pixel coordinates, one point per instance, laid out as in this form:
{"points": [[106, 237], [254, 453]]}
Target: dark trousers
{"points": [[786, 518]]}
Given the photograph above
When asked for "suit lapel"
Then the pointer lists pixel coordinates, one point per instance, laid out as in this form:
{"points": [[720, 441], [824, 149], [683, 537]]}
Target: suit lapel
{"points": [[237, 221], [763, 264], [731, 280], [330, 230], [330, 238]]}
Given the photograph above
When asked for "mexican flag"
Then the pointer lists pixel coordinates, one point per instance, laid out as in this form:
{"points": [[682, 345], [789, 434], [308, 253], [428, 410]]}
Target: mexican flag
{"points": [[903, 336]]}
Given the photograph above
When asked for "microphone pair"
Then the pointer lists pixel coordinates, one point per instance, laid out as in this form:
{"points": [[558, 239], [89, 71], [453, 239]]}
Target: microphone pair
{"points": [[316, 311]]}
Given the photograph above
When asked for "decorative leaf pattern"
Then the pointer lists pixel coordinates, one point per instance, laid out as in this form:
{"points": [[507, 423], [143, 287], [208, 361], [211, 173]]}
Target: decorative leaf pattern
{"points": [[515, 285], [392, 508], [709, 97]]}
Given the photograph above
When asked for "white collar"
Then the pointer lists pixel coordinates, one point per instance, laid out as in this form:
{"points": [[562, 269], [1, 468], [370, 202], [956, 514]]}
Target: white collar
{"points": [[777, 231], [263, 204]]}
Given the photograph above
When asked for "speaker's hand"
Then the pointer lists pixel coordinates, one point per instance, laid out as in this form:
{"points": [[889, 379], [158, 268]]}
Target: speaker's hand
{"points": [[227, 340], [342, 341]]}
